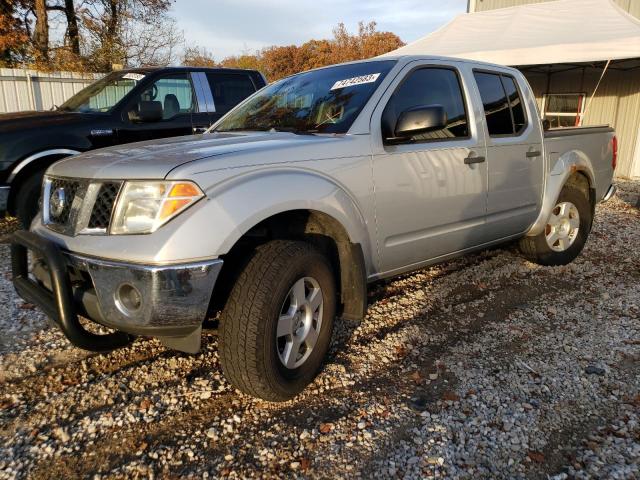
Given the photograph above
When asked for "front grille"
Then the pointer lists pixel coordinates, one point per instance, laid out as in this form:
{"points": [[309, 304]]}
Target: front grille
{"points": [[62, 194], [78, 206], [103, 206]]}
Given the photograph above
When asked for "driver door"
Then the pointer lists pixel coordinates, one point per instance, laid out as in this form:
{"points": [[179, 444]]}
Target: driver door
{"points": [[175, 95], [430, 189]]}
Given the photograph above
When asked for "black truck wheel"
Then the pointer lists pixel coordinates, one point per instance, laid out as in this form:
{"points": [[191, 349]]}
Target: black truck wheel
{"points": [[565, 233], [276, 327], [27, 199]]}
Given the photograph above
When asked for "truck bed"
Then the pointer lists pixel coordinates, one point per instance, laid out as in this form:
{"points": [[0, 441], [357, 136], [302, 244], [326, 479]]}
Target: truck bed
{"points": [[562, 142]]}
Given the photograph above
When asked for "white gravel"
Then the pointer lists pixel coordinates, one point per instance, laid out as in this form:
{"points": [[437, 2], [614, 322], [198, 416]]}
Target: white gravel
{"points": [[485, 367]]}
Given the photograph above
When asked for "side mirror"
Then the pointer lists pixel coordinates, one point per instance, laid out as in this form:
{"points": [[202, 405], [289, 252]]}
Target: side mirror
{"points": [[420, 119], [147, 111]]}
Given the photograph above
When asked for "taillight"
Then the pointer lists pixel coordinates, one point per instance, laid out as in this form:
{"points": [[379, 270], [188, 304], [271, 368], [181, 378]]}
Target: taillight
{"points": [[614, 147]]}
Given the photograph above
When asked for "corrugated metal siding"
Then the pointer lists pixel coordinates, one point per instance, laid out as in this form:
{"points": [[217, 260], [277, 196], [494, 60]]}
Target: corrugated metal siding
{"points": [[32, 90], [616, 103], [631, 6]]}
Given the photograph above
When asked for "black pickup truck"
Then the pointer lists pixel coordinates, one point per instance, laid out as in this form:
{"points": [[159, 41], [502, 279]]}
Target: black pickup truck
{"points": [[122, 107]]}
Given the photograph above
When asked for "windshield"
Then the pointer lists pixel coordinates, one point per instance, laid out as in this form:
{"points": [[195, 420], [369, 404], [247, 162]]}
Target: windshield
{"points": [[320, 101], [104, 94]]}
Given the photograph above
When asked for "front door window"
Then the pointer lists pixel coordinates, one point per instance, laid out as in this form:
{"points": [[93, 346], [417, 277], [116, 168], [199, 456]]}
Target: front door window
{"points": [[173, 94]]}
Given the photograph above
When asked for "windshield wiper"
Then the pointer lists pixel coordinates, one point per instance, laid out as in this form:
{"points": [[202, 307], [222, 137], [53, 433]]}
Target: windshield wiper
{"points": [[240, 129], [293, 130], [266, 129]]}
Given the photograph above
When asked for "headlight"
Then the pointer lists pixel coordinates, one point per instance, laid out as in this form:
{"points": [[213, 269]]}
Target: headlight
{"points": [[145, 206]]}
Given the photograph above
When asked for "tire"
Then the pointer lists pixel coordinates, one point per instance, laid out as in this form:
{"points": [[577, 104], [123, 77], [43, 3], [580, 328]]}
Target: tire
{"points": [[27, 199], [253, 351], [539, 249]]}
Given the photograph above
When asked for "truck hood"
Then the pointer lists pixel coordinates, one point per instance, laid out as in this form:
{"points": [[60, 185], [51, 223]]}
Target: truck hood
{"points": [[159, 158], [25, 121]]}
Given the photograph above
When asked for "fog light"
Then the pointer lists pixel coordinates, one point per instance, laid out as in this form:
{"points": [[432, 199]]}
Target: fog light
{"points": [[128, 299]]}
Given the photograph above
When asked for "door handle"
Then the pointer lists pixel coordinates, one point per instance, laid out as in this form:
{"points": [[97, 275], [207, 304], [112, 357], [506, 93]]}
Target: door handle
{"points": [[200, 129], [534, 153], [471, 160]]}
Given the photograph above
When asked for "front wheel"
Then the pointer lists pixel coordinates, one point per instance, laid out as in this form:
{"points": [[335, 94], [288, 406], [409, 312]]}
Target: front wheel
{"points": [[276, 327], [27, 199], [565, 233]]}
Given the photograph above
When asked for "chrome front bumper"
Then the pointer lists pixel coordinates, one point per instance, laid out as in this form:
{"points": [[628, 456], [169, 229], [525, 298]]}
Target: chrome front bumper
{"points": [[174, 299], [165, 301]]}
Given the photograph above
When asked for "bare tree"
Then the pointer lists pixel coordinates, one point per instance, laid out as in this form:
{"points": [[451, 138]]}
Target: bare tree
{"points": [[130, 32]]}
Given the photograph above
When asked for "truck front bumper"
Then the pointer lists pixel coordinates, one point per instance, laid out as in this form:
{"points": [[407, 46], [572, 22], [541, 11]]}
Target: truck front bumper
{"points": [[169, 301]]}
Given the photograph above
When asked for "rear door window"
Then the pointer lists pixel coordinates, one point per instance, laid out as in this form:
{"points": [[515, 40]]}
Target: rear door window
{"points": [[503, 107], [515, 102], [229, 89]]}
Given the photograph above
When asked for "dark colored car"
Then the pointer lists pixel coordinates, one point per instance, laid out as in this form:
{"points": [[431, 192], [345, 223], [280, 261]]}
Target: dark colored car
{"points": [[123, 107]]}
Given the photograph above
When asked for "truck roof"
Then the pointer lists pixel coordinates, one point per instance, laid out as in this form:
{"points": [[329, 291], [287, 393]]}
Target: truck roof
{"points": [[147, 70], [410, 58]]}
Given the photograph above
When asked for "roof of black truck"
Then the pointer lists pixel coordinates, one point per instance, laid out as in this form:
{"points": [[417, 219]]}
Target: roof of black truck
{"points": [[148, 70]]}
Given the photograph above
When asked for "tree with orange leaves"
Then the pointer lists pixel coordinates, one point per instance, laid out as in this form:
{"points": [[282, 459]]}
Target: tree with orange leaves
{"points": [[13, 36], [278, 62]]}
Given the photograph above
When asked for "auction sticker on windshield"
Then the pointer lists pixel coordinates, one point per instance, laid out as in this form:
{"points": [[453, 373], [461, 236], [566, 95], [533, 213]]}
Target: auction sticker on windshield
{"points": [[134, 76], [350, 82]]}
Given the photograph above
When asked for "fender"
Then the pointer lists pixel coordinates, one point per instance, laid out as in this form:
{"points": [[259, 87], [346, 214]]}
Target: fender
{"points": [[562, 168], [231, 208], [245, 200]]}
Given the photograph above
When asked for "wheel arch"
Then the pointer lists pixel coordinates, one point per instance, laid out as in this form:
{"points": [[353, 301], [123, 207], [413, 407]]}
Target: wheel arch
{"points": [[31, 164], [322, 230], [572, 168]]}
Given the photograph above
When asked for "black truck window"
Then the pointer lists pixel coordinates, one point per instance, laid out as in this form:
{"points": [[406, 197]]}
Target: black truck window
{"points": [[229, 89], [174, 92]]}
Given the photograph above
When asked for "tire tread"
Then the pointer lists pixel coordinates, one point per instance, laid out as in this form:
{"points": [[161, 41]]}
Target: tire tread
{"points": [[250, 298]]}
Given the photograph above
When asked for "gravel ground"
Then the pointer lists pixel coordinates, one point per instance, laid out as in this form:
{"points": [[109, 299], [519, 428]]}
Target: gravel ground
{"points": [[484, 367]]}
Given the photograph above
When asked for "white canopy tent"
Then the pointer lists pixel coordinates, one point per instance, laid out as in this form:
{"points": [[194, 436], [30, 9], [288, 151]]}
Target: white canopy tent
{"points": [[562, 31]]}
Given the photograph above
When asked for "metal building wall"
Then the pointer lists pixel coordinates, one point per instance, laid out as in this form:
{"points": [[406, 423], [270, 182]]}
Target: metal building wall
{"points": [[617, 103], [631, 6], [31, 90]]}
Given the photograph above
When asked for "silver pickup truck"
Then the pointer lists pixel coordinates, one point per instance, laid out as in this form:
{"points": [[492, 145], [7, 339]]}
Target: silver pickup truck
{"points": [[275, 221]]}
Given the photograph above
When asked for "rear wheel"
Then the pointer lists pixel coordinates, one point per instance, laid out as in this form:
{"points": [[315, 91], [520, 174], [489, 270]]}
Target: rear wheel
{"points": [[276, 327], [565, 233]]}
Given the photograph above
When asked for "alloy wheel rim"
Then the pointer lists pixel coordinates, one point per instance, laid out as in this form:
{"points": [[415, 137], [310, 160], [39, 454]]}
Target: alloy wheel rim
{"points": [[299, 322], [562, 227]]}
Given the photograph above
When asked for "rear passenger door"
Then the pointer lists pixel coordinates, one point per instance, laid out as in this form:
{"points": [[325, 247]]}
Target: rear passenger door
{"points": [[514, 152], [228, 89]]}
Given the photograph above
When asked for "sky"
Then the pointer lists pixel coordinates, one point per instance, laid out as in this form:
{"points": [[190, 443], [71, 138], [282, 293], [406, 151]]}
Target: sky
{"points": [[228, 27]]}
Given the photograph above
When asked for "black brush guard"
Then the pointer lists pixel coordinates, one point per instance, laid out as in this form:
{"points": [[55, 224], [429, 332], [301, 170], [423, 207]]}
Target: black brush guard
{"points": [[58, 304]]}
